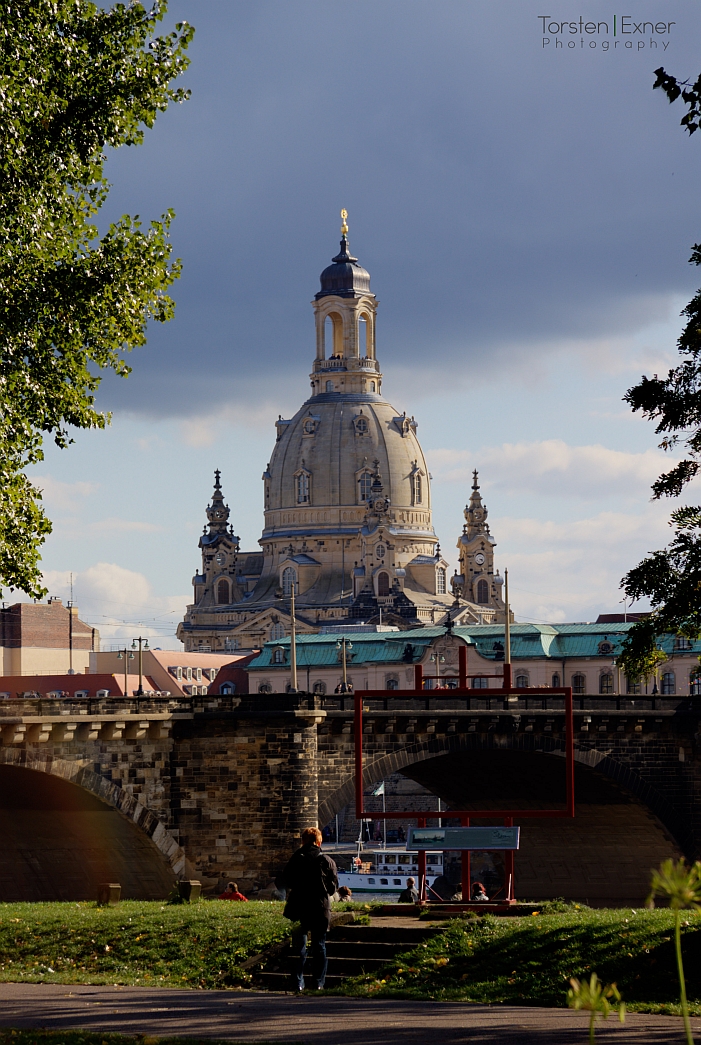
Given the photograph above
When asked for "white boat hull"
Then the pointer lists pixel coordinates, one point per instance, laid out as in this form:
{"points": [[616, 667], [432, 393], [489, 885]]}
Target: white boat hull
{"points": [[380, 883]]}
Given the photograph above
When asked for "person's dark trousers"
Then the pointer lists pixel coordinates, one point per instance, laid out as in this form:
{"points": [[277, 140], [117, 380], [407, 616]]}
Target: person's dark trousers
{"points": [[317, 930]]}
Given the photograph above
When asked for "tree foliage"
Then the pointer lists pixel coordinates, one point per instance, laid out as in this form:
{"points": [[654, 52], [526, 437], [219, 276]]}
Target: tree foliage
{"points": [[671, 577], [74, 80]]}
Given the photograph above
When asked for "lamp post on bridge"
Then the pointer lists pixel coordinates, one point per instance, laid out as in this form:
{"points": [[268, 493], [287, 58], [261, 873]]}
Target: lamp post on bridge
{"points": [[126, 656], [344, 645], [143, 645]]}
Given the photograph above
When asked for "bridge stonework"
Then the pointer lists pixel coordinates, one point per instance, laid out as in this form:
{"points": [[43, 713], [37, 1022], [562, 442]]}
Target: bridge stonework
{"points": [[218, 787]]}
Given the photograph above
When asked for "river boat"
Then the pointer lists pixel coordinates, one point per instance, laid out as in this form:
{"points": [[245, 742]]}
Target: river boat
{"points": [[389, 870]]}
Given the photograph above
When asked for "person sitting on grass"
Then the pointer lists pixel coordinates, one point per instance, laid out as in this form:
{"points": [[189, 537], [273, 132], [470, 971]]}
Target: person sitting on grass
{"points": [[409, 895], [232, 893], [344, 893], [479, 893]]}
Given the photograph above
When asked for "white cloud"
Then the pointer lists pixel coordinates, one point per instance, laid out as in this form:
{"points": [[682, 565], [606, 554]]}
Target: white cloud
{"points": [[63, 496], [555, 468], [120, 603]]}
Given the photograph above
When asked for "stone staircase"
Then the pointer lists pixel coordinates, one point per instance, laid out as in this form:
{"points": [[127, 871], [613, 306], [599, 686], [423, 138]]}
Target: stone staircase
{"points": [[351, 950]]}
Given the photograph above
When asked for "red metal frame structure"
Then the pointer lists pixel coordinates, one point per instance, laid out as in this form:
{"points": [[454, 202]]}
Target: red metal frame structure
{"points": [[465, 815]]}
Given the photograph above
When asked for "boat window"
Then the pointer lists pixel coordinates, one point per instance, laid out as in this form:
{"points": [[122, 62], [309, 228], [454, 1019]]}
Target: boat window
{"points": [[390, 859], [383, 881], [371, 881], [397, 881]]}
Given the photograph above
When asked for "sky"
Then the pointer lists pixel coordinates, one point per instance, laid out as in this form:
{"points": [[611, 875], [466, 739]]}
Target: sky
{"points": [[526, 211]]}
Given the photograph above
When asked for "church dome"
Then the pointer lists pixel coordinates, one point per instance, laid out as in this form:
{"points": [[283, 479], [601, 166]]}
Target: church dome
{"points": [[345, 278], [338, 440]]}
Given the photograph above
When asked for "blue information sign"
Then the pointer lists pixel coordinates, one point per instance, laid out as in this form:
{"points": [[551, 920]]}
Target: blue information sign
{"points": [[463, 838]]}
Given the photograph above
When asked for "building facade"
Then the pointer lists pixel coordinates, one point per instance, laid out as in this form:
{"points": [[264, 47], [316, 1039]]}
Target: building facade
{"points": [[45, 638], [347, 507]]}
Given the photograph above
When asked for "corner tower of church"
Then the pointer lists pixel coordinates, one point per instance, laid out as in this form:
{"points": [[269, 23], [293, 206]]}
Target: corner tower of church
{"points": [[347, 499]]}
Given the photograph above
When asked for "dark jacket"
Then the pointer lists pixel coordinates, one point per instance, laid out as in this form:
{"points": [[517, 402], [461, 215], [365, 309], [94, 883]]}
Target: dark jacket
{"points": [[311, 880], [408, 896]]}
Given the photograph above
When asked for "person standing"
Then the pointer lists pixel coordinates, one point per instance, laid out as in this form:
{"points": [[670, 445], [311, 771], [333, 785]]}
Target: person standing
{"points": [[311, 880]]}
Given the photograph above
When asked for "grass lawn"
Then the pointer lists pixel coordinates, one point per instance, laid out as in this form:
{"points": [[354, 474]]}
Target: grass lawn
{"points": [[529, 960], [137, 942]]}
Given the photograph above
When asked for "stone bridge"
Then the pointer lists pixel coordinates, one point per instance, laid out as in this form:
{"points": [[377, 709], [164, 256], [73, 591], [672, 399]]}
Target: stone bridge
{"points": [[148, 791]]}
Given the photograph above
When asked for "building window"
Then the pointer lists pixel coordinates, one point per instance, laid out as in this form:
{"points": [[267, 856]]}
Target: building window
{"points": [[440, 580], [633, 688], [522, 682], [361, 426], [372, 386], [555, 682], [278, 656], [364, 487], [391, 682], [289, 578], [227, 688], [416, 488], [329, 386], [482, 593], [223, 592], [605, 683], [668, 683], [303, 483], [319, 688], [681, 643], [265, 687], [694, 684], [380, 552], [277, 631], [231, 644], [383, 584], [480, 683], [579, 684]]}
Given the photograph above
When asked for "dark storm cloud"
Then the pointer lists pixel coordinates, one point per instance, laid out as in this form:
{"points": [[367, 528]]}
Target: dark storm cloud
{"points": [[502, 195]]}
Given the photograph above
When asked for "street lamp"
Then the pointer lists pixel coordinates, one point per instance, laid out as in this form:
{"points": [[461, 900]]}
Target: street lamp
{"points": [[293, 635], [438, 659], [143, 645], [126, 656], [344, 645]]}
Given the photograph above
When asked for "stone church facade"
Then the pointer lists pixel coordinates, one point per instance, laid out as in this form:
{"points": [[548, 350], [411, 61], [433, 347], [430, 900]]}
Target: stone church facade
{"points": [[347, 508]]}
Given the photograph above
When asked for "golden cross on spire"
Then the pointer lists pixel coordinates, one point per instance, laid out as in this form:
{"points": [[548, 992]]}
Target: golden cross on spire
{"points": [[344, 226]]}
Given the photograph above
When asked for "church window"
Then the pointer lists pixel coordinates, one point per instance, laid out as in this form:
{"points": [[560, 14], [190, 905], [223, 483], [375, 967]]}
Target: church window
{"points": [[319, 688], [633, 688], [363, 336], [668, 683], [372, 386], [606, 683], [416, 488], [482, 592], [391, 682], [480, 683], [579, 684], [380, 551], [329, 386], [364, 487], [556, 682], [440, 581], [278, 656], [522, 682], [289, 579], [309, 427], [277, 631], [302, 480], [223, 592], [361, 426], [265, 687], [382, 584]]}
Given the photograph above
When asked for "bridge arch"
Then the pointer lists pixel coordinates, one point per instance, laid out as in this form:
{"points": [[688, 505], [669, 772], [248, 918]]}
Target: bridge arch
{"points": [[66, 829]]}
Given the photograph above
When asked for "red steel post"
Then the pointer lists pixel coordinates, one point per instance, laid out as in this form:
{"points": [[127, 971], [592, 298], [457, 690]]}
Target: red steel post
{"points": [[462, 667], [509, 862], [358, 738], [465, 867], [418, 678], [508, 682], [421, 822], [569, 750]]}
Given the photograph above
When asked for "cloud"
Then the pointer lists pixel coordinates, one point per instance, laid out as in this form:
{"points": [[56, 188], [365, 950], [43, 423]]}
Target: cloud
{"points": [[553, 467], [120, 603], [63, 496], [566, 571]]}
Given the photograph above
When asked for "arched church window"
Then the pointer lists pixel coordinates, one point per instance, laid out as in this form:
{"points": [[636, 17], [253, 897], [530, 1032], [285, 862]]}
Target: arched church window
{"points": [[303, 486], [372, 386], [391, 682], [606, 683], [265, 687], [319, 688], [289, 578], [579, 684], [440, 581], [416, 488], [223, 592], [363, 336], [668, 683], [277, 631], [383, 584], [482, 592], [522, 682], [364, 487], [555, 681], [278, 656], [329, 386]]}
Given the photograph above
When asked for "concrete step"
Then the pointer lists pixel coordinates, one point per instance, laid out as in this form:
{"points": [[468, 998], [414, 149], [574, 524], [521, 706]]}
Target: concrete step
{"points": [[361, 948], [408, 935], [281, 981]]}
